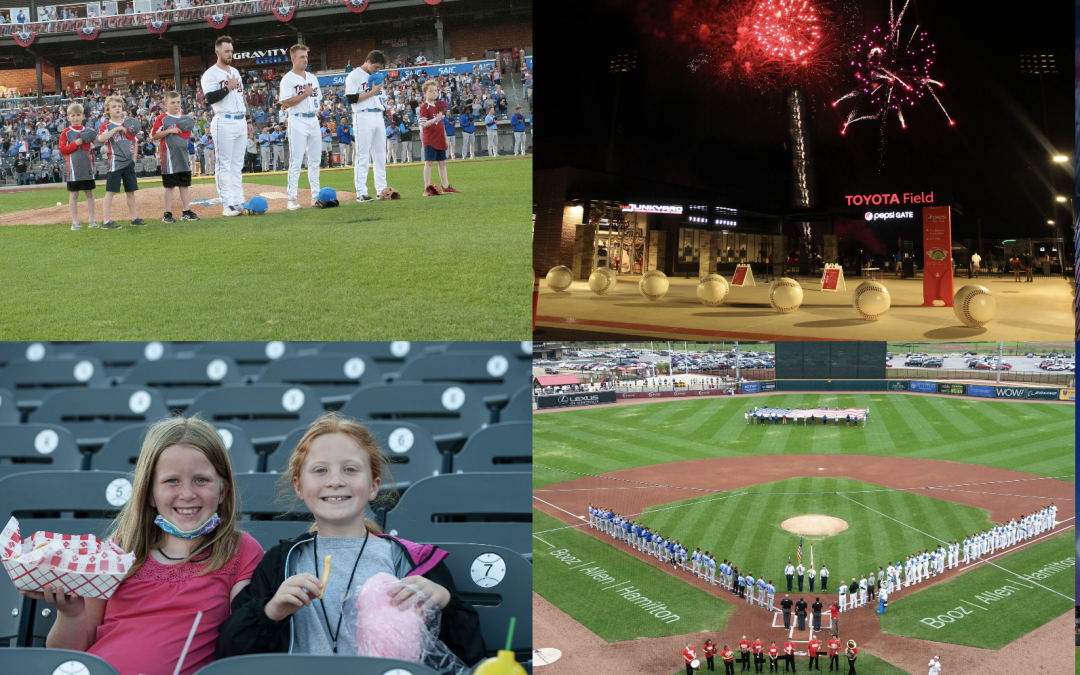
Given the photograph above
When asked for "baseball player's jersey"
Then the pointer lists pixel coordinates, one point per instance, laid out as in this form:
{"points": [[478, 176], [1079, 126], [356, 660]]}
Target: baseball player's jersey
{"points": [[121, 146], [293, 85], [215, 78], [173, 149], [78, 162], [358, 82]]}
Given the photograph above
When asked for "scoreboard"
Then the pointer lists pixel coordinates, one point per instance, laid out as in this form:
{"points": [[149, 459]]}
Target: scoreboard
{"points": [[830, 360]]}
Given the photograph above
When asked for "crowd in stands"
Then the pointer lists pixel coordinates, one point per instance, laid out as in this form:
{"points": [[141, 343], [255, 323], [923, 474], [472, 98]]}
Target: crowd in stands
{"points": [[29, 133]]}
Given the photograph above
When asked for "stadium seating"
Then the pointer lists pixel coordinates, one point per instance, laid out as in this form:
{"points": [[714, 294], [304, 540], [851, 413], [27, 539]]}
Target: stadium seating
{"points": [[499, 447], [9, 412], [120, 357], [498, 583], [251, 356], [491, 374], [520, 407], [333, 377], [266, 516], [280, 664], [413, 454], [496, 511], [37, 447], [180, 380], [93, 415], [521, 350], [29, 351], [450, 412], [49, 662], [122, 449], [268, 412], [31, 381], [64, 502], [381, 352]]}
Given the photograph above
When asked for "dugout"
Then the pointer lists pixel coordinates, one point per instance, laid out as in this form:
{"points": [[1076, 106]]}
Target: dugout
{"points": [[830, 361]]}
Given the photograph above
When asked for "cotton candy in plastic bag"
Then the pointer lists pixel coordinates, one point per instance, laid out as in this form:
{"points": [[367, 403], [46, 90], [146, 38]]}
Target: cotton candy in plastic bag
{"points": [[385, 631]]}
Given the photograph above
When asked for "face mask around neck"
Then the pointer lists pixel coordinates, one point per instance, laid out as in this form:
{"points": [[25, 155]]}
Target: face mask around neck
{"points": [[206, 527]]}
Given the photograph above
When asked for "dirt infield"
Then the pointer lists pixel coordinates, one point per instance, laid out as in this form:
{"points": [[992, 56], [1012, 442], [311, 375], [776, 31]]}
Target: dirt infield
{"points": [[814, 524], [151, 204], [1016, 493]]}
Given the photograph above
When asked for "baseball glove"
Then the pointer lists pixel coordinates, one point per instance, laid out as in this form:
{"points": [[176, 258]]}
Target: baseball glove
{"points": [[389, 193]]}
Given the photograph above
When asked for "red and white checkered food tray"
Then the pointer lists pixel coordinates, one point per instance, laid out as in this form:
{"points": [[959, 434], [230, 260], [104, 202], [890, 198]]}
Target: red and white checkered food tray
{"points": [[82, 564]]}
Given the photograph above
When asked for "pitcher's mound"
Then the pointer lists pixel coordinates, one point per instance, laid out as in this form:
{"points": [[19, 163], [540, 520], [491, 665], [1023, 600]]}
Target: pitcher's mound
{"points": [[814, 524]]}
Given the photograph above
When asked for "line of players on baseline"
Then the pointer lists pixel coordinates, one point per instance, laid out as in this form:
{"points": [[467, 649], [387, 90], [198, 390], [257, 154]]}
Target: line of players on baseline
{"points": [[787, 655], [915, 568]]}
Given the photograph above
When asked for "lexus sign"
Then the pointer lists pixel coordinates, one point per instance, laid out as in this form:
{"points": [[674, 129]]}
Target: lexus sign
{"points": [[576, 399]]}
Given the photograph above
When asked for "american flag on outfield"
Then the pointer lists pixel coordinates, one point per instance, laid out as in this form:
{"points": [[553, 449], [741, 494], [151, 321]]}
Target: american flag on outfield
{"points": [[799, 552], [856, 413]]}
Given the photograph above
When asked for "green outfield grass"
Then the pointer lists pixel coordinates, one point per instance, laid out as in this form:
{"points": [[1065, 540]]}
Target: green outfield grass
{"points": [[1031, 437], [746, 529], [979, 620], [612, 616], [450, 268], [1078, 660]]}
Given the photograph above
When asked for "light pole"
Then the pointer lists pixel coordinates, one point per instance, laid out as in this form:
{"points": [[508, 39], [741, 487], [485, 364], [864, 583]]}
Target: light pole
{"points": [[620, 63]]}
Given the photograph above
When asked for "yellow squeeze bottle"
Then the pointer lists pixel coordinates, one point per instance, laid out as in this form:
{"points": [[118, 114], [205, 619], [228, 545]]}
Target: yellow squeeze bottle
{"points": [[504, 663]]}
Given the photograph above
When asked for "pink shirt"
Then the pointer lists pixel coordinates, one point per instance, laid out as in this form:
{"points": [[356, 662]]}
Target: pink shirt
{"points": [[148, 618]]}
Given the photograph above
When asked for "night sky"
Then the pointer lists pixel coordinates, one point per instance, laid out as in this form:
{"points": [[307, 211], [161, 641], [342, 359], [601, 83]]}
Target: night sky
{"points": [[679, 128]]}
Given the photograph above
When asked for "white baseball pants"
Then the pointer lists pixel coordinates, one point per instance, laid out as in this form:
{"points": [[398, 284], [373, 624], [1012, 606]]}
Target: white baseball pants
{"points": [[370, 144], [304, 137], [493, 142], [468, 144], [230, 146]]}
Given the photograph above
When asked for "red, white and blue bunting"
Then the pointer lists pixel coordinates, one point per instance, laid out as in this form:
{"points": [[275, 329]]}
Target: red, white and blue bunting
{"points": [[285, 13], [217, 20], [88, 33], [804, 413], [356, 5], [24, 38], [432, 2], [157, 26]]}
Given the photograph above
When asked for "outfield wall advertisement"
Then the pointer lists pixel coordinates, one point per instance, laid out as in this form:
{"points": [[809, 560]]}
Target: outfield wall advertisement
{"points": [[575, 400], [688, 393], [928, 387], [987, 391]]}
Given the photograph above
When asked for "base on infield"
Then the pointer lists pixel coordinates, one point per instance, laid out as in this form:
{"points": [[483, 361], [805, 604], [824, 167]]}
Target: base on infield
{"points": [[814, 524]]}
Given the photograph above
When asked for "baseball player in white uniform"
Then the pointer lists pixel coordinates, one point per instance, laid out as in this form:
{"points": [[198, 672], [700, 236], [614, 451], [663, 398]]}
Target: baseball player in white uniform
{"points": [[843, 597], [301, 98], [224, 91], [363, 90], [1053, 515]]}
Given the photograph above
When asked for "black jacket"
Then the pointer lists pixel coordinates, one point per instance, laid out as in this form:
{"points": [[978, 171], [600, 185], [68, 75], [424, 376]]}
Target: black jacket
{"points": [[249, 631]]}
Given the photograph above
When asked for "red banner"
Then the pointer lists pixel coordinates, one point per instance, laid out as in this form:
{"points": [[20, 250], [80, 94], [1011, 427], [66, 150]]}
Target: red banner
{"points": [[937, 256], [740, 276], [356, 5], [24, 38], [217, 20], [831, 279], [285, 13]]}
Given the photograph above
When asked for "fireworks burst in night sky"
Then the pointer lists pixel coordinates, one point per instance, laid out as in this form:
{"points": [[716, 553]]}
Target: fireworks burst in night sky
{"points": [[893, 72]]}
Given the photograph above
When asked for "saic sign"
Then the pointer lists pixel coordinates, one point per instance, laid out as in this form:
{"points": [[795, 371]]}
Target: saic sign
{"points": [[650, 208], [885, 198], [888, 215]]}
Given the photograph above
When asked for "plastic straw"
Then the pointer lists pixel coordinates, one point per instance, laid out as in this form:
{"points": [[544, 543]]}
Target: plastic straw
{"points": [[509, 633], [191, 636]]}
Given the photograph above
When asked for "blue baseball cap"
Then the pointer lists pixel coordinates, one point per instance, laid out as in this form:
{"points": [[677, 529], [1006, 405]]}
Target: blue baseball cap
{"points": [[377, 79], [257, 204], [327, 195]]}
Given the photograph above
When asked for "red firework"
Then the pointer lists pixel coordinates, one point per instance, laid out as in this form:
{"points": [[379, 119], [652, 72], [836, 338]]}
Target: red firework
{"points": [[786, 29]]}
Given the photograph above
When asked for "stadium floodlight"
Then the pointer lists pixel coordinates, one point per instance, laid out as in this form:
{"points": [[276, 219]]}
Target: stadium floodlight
{"points": [[1060, 199], [1060, 158]]}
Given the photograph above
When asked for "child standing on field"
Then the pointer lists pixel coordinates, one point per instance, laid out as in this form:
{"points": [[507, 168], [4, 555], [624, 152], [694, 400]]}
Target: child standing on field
{"points": [[174, 157], [337, 469], [78, 165], [431, 114], [121, 162]]}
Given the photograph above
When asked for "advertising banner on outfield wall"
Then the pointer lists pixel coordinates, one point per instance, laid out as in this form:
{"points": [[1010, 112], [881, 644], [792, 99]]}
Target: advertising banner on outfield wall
{"points": [[1043, 393], [928, 387], [980, 390], [676, 394], [751, 387], [950, 388], [575, 400], [898, 385], [768, 386], [1068, 394]]}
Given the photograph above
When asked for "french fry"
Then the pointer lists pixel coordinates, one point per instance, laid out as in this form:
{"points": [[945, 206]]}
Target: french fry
{"points": [[325, 574]]}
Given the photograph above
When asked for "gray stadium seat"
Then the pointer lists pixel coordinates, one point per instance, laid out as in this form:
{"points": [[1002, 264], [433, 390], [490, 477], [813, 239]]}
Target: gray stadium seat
{"points": [[521, 350], [121, 357], [47, 661], [450, 412], [520, 407], [50, 501], [387, 354], [499, 447], [413, 454], [31, 381], [28, 351], [268, 412], [332, 376], [480, 508], [282, 664], [497, 582], [9, 412], [492, 374], [93, 415], [180, 380], [122, 449], [37, 447], [263, 515], [250, 356]]}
